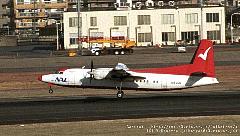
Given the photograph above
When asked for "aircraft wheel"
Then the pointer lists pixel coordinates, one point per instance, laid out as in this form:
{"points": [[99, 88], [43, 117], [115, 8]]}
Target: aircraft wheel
{"points": [[50, 90], [120, 94]]}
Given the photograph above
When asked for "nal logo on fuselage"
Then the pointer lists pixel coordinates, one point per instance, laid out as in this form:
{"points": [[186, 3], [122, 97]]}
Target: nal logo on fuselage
{"points": [[60, 79], [204, 55]]}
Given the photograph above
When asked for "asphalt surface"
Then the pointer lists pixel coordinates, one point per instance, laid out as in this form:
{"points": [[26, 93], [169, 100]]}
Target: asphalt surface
{"points": [[30, 61], [98, 108], [34, 110]]}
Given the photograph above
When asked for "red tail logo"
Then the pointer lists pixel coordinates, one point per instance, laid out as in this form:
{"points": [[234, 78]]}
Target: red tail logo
{"points": [[204, 56], [203, 59]]}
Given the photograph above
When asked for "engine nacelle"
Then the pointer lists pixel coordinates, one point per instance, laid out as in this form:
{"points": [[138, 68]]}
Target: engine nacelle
{"points": [[101, 73]]}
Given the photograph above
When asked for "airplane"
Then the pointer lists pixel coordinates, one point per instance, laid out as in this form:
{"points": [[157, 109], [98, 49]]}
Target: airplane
{"points": [[201, 71]]}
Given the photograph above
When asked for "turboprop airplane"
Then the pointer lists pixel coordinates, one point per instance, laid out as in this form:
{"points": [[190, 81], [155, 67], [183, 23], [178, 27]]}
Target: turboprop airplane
{"points": [[200, 71]]}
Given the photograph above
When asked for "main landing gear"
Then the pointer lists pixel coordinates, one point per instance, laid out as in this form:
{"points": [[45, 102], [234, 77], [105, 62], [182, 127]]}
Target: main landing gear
{"points": [[120, 93], [50, 89]]}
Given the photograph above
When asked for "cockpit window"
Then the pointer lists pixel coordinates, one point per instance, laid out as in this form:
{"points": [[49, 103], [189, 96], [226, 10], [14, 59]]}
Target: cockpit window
{"points": [[58, 72]]}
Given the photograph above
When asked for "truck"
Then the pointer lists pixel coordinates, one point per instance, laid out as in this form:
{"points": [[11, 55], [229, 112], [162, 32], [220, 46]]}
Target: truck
{"points": [[117, 47], [111, 50]]}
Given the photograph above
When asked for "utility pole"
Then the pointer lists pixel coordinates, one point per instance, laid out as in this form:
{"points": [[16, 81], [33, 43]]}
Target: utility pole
{"points": [[57, 35], [79, 25], [201, 30], [34, 17]]}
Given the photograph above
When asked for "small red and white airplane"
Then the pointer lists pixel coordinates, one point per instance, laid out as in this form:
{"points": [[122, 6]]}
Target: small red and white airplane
{"points": [[200, 71]]}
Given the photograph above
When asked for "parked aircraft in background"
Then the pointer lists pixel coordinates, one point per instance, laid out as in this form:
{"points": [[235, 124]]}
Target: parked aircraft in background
{"points": [[201, 71]]}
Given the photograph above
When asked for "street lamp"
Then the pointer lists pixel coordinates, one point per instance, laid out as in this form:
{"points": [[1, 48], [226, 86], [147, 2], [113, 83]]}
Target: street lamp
{"points": [[199, 34], [8, 30], [219, 32], [57, 36], [136, 32], [232, 26], [151, 35], [79, 27], [199, 30], [34, 17], [175, 30]]}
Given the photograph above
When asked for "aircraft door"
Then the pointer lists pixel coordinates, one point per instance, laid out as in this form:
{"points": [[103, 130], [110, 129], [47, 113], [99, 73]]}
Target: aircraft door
{"points": [[163, 84]]}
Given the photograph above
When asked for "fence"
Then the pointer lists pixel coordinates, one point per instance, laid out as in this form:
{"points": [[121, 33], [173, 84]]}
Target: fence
{"points": [[36, 40]]}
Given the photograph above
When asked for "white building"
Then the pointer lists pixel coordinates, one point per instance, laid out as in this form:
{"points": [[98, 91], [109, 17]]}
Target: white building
{"points": [[149, 26]]}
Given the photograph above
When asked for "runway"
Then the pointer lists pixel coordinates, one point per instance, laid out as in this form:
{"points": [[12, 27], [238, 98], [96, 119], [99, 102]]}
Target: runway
{"points": [[133, 106]]}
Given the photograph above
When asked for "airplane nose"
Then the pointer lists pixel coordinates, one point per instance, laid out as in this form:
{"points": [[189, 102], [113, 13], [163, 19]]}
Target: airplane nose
{"points": [[40, 78]]}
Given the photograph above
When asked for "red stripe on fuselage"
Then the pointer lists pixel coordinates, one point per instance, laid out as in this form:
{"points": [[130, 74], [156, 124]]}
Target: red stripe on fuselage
{"points": [[174, 70]]}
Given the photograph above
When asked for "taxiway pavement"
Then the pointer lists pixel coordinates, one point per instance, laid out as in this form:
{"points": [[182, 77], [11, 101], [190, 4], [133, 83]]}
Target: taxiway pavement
{"points": [[98, 108]]}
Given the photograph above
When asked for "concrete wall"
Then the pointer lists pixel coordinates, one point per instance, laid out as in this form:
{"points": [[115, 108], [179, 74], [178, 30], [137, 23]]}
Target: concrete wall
{"points": [[8, 41]]}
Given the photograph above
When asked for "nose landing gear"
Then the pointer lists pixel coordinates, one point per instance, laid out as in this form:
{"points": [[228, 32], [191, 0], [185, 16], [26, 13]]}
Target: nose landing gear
{"points": [[50, 89]]}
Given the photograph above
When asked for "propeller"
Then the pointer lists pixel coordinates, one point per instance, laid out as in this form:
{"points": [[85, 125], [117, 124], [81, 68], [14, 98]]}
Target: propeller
{"points": [[91, 74]]}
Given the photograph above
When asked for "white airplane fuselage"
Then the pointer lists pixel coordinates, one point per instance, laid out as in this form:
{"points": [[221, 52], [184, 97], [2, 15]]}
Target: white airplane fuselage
{"points": [[80, 78]]}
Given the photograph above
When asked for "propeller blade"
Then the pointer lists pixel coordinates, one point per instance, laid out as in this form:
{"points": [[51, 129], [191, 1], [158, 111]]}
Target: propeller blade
{"points": [[91, 75], [91, 65]]}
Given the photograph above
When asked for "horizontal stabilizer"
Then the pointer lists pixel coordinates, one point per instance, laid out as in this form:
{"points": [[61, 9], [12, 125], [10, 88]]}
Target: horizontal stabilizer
{"points": [[201, 74]]}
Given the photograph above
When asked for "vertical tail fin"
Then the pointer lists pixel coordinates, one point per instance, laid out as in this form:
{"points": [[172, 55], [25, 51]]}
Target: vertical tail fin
{"points": [[203, 59]]}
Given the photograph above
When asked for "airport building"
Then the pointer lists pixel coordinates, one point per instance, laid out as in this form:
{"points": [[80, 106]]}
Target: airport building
{"points": [[149, 26]]}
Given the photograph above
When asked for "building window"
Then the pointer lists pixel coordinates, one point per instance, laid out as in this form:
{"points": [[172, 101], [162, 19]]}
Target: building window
{"points": [[20, 1], [120, 20], [93, 21], [212, 17], [144, 20], [189, 36], [167, 18], [191, 18], [213, 35], [73, 38], [168, 36], [47, 1], [73, 21], [144, 37]]}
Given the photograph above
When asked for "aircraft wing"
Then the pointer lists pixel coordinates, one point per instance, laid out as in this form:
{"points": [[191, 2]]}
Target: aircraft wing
{"points": [[122, 75], [120, 72]]}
